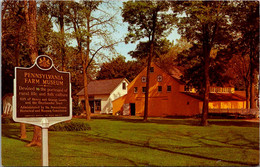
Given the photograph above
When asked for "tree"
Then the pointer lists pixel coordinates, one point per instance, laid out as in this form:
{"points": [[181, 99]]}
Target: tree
{"points": [[141, 52], [85, 26], [13, 20], [204, 24], [119, 68], [150, 20], [31, 24], [170, 58], [247, 44]]}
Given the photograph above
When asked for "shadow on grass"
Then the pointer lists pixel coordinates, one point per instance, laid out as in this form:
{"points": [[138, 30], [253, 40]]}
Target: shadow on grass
{"points": [[13, 132], [181, 121], [148, 146]]}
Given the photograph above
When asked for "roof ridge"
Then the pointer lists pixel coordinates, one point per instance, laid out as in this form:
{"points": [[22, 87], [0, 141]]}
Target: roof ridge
{"points": [[171, 75], [107, 79]]}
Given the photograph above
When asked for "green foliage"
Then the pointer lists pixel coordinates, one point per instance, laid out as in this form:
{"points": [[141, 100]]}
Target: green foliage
{"points": [[206, 25], [142, 50], [77, 110], [7, 120], [244, 65], [140, 17], [119, 68], [70, 126]]}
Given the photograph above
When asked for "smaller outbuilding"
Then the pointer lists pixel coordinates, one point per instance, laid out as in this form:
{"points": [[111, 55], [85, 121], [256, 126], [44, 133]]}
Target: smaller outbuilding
{"points": [[101, 93]]}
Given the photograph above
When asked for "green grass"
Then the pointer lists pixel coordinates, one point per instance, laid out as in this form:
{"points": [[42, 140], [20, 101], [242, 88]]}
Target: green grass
{"points": [[131, 142]]}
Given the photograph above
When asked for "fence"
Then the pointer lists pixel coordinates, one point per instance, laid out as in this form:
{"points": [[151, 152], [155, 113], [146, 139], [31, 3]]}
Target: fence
{"points": [[254, 112]]}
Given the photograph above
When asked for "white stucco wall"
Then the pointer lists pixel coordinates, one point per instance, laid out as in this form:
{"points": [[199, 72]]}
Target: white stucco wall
{"points": [[106, 100], [107, 106]]}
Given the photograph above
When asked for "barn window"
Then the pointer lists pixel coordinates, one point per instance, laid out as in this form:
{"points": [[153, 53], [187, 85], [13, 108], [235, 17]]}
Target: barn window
{"points": [[143, 79], [143, 89], [159, 88], [159, 78], [169, 88], [135, 89], [124, 86], [151, 69]]}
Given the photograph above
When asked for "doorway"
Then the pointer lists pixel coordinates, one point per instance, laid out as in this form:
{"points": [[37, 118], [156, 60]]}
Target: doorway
{"points": [[132, 108], [91, 105]]}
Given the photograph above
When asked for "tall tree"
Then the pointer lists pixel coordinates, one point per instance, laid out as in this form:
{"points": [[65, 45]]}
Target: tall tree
{"points": [[13, 21], [204, 24], [246, 23], [119, 68], [31, 24], [149, 20], [142, 50], [86, 25]]}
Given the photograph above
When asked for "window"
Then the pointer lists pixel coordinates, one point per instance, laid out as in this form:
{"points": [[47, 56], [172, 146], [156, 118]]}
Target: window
{"points": [[169, 88], [159, 88], [135, 89], [83, 104], [97, 105], [143, 89], [124, 86], [143, 79], [151, 69], [159, 78], [187, 88]]}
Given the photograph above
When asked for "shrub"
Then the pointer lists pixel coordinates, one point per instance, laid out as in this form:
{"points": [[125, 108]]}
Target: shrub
{"points": [[7, 120], [70, 126], [77, 110]]}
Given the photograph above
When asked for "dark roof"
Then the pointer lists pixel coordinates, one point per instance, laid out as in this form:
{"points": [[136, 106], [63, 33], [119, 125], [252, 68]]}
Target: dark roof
{"points": [[174, 71], [101, 87], [218, 96]]}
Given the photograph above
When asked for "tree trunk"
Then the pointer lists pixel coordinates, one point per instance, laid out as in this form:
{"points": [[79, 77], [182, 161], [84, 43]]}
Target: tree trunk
{"points": [[37, 137], [17, 51], [247, 94], [252, 78], [23, 131], [148, 67], [88, 111], [147, 84], [252, 95], [87, 108], [61, 22], [30, 16], [206, 54]]}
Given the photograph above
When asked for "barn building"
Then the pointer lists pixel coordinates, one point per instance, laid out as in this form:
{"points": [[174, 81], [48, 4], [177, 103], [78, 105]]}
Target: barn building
{"points": [[168, 96]]}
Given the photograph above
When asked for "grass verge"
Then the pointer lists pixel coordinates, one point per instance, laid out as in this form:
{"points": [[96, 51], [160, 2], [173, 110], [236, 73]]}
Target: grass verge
{"points": [[131, 142]]}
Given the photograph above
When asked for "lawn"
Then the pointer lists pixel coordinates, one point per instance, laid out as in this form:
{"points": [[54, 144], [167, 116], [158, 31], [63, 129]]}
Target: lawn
{"points": [[131, 142]]}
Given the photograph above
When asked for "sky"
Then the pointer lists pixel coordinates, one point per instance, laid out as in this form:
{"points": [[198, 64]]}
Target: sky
{"points": [[123, 48], [120, 33]]}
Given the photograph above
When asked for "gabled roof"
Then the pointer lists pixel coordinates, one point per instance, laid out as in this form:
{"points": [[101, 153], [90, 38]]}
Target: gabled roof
{"points": [[174, 71], [102, 87], [218, 96]]}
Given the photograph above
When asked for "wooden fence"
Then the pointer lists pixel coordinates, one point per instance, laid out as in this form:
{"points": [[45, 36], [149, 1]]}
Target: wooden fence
{"points": [[254, 112]]}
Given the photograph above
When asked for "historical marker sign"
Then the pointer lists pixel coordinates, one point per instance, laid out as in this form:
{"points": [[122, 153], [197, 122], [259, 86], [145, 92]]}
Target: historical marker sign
{"points": [[42, 92]]}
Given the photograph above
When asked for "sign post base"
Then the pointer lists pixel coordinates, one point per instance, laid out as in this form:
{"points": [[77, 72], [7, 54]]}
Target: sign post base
{"points": [[45, 146]]}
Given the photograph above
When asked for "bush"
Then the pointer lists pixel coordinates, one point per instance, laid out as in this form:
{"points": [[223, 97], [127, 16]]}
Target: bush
{"points": [[77, 110], [70, 126], [7, 120]]}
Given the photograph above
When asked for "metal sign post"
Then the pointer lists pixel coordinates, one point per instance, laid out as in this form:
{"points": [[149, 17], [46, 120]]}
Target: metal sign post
{"points": [[42, 97], [45, 146]]}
